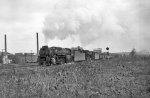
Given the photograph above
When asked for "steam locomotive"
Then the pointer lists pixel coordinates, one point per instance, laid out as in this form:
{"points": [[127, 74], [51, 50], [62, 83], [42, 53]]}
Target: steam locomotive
{"points": [[58, 55]]}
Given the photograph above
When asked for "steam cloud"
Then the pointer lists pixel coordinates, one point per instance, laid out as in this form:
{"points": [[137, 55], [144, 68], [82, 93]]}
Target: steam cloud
{"points": [[122, 23]]}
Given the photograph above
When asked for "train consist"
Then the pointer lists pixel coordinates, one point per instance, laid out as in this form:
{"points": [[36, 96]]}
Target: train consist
{"points": [[58, 55]]}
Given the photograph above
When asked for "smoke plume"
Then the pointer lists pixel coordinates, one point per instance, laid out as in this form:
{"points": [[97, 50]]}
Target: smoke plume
{"points": [[122, 24]]}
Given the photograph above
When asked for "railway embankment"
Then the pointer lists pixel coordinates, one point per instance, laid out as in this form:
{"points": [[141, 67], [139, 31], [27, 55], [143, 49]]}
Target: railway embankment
{"points": [[96, 79]]}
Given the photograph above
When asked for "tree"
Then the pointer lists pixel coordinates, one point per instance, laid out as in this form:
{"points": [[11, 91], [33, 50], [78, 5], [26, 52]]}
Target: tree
{"points": [[133, 52]]}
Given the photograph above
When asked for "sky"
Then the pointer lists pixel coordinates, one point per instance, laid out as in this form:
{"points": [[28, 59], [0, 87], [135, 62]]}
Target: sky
{"points": [[119, 24]]}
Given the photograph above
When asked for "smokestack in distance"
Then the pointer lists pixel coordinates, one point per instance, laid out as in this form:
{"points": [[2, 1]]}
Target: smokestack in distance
{"points": [[37, 38], [5, 43]]}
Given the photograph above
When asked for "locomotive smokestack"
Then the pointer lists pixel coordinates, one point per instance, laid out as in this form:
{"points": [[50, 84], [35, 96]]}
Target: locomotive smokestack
{"points": [[5, 43], [37, 38]]}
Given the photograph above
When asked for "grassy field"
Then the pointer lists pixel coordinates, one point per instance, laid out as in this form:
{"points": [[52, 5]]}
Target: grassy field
{"points": [[115, 78]]}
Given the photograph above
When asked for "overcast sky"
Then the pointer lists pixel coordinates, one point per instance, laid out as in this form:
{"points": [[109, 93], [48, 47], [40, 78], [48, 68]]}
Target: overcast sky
{"points": [[119, 24]]}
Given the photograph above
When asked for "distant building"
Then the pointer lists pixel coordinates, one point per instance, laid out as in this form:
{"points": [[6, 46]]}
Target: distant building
{"points": [[28, 54], [98, 50], [18, 54], [5, 57], [20, 58], [17, 58], [6, 60], [77, 48]]}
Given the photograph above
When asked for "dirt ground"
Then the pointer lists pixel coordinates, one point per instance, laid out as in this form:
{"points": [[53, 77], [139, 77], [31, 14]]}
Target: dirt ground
{"points": [[115, 78]]}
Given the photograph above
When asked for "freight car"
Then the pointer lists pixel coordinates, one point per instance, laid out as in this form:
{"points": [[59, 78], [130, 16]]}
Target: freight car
{"points": [[58, 55]]}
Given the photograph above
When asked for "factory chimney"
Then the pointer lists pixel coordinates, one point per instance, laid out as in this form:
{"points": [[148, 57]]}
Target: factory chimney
{"points": [[5, 43], [37, 38]]}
